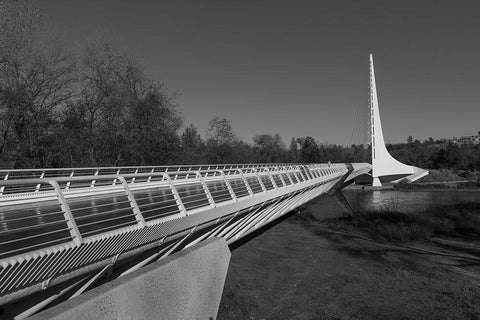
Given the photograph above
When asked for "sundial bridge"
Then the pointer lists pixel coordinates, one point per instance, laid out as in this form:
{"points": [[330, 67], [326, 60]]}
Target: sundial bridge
{"points": [[61, 230]]}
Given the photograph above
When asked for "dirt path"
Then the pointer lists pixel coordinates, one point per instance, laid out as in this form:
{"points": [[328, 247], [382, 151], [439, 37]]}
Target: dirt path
{"points": [[301, 269]]}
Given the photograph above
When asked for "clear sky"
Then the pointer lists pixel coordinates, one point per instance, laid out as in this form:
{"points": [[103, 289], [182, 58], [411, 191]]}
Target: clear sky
{"points": [[300, 68]]}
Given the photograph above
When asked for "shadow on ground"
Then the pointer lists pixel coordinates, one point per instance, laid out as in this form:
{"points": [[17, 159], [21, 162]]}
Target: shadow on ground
{"points": [[303, 268]]}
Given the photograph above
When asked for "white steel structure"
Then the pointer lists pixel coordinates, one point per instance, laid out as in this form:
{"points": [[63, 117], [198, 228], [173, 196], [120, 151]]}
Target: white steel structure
{"points": [[385, 168], [61, 230]]}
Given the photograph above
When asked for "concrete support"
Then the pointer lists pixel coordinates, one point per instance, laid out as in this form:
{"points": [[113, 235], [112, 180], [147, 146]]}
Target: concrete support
{"points": [[185, 285], [376, 182]]}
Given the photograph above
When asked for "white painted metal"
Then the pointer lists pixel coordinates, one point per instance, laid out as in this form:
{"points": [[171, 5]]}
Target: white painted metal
{"points": [[133, 202], [236, 217], [148, 260], [72, 225], [383, 164], [90, 282], [205, 189]]}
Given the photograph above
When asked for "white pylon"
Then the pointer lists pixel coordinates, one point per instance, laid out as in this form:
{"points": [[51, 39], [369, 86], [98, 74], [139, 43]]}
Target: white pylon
{"points": [[383, 164]]}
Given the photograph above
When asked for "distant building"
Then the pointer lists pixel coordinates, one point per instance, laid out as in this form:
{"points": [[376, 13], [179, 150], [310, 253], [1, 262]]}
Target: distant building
{"points": [[467, 139]]}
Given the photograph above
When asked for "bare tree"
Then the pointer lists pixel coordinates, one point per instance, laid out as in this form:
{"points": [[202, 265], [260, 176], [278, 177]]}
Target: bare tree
{"points": [[121, 115], [36, 77]]}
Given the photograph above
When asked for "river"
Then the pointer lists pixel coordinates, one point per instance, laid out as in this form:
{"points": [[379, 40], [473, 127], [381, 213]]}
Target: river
{"points": [[392, 200]]}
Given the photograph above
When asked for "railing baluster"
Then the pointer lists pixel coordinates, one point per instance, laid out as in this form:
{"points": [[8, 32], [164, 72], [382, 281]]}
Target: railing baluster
{"points": [[133, 179], [250, 191], [67, 214], [301, 173], [288, 176], [2, 189], [115, 179], [133, 202], [150, 177], [260, 180], [205, 188], [229, 186], [271, 178], [67, 186], [37, 188], [179, 201], [92, 184], [280, 176]]}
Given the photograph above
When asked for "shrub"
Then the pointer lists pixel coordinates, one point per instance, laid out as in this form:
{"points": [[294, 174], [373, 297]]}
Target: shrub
{"points": [[389, 223]]}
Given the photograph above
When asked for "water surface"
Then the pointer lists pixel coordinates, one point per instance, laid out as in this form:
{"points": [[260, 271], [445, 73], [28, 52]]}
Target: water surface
{"points": [[406, 201], [409, 200]]}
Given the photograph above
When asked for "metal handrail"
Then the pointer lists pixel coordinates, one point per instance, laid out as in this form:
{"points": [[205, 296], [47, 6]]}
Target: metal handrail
{"points": [[231, 166], [71, 171], [116, 177], [171, 218], [113, 176], [196, 175]]}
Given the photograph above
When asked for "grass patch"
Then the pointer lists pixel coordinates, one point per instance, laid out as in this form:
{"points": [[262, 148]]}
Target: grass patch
{"points": [[444, 179], [457, 220], [442, 175]]}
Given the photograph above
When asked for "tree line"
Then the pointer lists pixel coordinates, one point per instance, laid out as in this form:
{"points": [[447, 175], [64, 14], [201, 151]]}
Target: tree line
{"points": [[437, 154], [97, 106]]}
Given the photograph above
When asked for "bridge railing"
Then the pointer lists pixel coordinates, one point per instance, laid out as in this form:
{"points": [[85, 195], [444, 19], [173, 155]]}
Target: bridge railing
{"points": [[56, 228], [23, 174], [43, 212]]}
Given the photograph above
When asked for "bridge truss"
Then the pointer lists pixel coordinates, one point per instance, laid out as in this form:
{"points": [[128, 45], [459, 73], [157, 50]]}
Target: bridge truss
{"points": [[63, 230]]}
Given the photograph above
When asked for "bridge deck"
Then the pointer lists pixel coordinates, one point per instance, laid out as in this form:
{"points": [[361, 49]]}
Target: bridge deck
{"points": [[56, 224]]}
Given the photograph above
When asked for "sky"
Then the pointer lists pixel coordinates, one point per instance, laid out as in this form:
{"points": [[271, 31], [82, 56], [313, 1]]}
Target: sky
{"points": [[299, 68]]}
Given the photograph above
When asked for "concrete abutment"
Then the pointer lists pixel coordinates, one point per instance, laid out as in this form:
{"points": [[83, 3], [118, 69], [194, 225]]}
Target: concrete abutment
{"points": [[186, 285]]}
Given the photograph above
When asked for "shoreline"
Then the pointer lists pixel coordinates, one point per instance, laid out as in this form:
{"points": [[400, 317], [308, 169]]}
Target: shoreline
{"points": [[412, 190], [412, 187]]}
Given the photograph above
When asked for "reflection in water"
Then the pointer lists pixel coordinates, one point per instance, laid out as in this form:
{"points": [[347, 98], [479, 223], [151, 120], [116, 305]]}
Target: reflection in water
{"points": [[408, 200], [376, 198]]}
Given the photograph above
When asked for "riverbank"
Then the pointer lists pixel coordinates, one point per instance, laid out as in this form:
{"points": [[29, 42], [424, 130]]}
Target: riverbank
{"points": [[444, 179], [460, 220], [311, 268], [448, 185]]}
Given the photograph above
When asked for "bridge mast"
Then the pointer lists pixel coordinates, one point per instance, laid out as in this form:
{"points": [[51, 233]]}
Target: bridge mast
{"points": [[373, 95], [383, 164]]}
